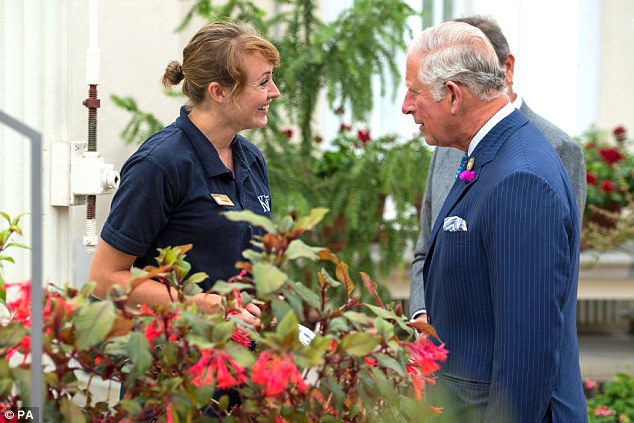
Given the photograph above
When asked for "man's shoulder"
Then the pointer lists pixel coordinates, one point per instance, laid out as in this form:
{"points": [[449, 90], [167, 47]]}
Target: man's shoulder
{"points": [[555, 135]]}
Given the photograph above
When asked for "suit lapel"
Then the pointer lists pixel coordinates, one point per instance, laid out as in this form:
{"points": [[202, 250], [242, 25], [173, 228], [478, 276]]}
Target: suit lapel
{"points": [[485, 151]]}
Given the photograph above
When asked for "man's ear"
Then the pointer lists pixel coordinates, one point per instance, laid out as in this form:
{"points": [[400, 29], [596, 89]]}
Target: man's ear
{"points": [[509, 69], [454, 96], [216, 92]]}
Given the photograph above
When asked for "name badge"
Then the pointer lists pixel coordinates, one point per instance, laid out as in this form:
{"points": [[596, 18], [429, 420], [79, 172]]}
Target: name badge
{"points": [[222, 200]]}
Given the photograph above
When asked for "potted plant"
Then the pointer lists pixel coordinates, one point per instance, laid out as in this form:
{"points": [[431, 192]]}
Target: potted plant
{"points": [[177, 362]]}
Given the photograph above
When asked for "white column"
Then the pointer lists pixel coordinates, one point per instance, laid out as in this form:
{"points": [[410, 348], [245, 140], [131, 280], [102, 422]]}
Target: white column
{"points": [[35, 82]]}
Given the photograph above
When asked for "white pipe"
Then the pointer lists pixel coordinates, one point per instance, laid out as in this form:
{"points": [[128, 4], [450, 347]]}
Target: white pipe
{"points": [[93, 53]]}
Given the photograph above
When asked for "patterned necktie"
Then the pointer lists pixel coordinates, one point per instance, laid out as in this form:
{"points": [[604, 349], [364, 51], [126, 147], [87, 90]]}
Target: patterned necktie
{"points": [[463, 163]]}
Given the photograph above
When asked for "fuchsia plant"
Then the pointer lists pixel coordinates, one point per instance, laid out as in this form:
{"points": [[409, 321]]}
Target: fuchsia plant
{"points": [[176, 362]]}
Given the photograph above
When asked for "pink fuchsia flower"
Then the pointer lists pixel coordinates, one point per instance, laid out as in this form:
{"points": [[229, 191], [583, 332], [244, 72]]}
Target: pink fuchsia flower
{"points": [[158, 327], [603, 411], [467, 175], [277, 373], [20, 307], [425, 355], [363, 135], [607, 186], [590, 178], [611, 155], [241, 338], [620, 133], [216, 366], [23, 347]]}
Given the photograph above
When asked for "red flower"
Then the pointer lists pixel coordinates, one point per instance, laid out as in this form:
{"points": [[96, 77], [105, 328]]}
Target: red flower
{"points": [[288, 133], [344, 127], [611, 155], [157, 327], [607, 186], [424, 354], [212, 366], [620, 133], [241, 338], [23, 347], [363, 135], [590, 146], [370, 360], [276, 373], [20, 307], [590, 178]]}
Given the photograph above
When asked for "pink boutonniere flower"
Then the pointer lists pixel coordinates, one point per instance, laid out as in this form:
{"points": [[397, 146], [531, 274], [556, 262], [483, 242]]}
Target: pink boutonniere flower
{"points": [[467, 175]]}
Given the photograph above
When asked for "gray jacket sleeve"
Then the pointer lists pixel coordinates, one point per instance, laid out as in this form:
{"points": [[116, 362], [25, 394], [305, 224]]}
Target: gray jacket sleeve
{"points": [[440, 177], [417, 286]]}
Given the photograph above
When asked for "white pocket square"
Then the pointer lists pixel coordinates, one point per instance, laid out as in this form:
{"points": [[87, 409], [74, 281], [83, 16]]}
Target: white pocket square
{"points": [[454, 224]]}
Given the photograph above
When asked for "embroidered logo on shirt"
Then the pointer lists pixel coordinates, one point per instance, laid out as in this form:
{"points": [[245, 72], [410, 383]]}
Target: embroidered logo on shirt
{"points": [[264, 201]]}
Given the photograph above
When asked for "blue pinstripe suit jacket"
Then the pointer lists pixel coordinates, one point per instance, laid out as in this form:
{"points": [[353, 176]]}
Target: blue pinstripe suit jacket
{"points": [[502, 295]]}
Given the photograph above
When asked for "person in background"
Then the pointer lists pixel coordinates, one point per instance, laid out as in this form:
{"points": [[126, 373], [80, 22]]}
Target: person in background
{"points": [[503, 259], [176, 185], [444, 161]]}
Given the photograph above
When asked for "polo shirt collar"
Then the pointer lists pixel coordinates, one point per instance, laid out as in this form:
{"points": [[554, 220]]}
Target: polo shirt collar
{"points": [[205, 151]]}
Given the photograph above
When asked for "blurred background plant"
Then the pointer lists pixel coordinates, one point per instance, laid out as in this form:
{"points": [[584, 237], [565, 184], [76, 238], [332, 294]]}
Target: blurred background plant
{"points": [[356, 173], [178, 363], [611, 401], [609, 215]]}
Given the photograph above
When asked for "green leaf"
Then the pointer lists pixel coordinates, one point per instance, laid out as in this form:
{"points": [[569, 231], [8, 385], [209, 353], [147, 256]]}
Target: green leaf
{"points": [[359, 344], [299, 249], [253, 219], [267, 278], [196, 278], [139, 353], [12, 334], [131, 407], [356, 317], [22, 378], [72, 412], [310, 221], [87, 289], [288, 329], [389, 315], [391, 363], [93, 322], [222, 332], [307, 294]]}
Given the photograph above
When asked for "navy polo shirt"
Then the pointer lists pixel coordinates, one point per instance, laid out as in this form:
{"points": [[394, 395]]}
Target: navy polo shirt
{"points": [[165, 199]]}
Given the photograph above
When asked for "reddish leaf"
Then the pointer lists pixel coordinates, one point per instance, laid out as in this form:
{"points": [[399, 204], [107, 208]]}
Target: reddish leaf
{"points": [[371, 286], [425, 328], [343, 276]]}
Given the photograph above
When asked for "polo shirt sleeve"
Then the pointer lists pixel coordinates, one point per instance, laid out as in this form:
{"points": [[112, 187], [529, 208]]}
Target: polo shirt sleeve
{"points": [[140, 207]]}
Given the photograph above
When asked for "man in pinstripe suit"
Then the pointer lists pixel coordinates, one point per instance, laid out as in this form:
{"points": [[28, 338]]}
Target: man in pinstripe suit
{"points": [[445, 160], [502, 264]]}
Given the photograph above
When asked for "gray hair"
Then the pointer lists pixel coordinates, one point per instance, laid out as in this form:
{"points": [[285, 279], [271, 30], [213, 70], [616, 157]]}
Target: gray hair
{"points": [[459, 52]]}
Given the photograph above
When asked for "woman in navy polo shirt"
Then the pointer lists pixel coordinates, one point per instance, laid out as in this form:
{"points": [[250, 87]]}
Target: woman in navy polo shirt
{"points": [[174, 187]]}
